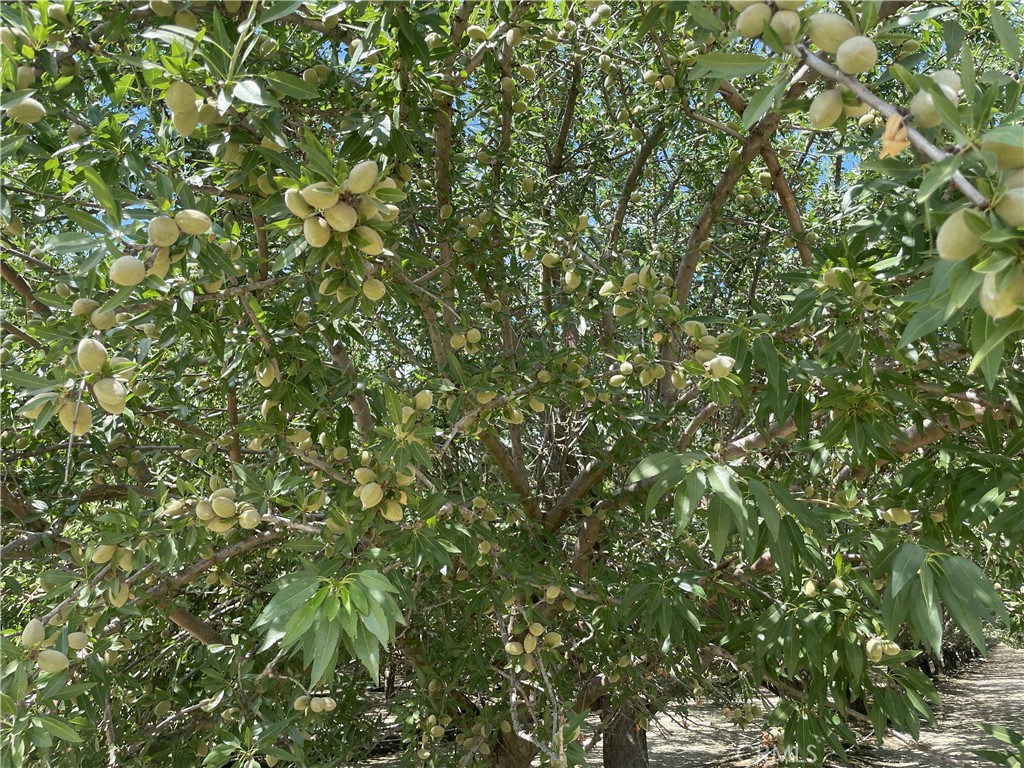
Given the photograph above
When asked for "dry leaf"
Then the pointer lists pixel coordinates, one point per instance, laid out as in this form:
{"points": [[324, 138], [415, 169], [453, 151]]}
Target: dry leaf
{"points": [[894, 140]]}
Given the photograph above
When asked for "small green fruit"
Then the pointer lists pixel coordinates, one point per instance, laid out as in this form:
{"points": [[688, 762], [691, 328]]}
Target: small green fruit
{"points": [[1010, 208], [363, 177], [955, 240], [1007, 143], [75, 417], [320, 195], [52, 661], [163, 232], [33, 634], [92, 355], [295, 203], [752, 20], [192, 222], [111, 395], [316, 232], [857, 55], [829, 30], [374, 289], [127, 271], [180, 97], [826, 108], [719, 366], [27, 111]]}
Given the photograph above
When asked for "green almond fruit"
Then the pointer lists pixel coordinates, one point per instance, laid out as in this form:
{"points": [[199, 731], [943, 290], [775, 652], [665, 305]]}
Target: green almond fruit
{"points": [[52, 661], [1007, 144]]}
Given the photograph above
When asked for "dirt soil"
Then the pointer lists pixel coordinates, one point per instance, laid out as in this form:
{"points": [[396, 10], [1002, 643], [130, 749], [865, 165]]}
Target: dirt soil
{"points": [[989, 690]]}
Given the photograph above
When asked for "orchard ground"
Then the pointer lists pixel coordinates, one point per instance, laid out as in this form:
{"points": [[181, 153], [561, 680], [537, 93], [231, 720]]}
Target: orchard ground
{"points": [[986, 690]]}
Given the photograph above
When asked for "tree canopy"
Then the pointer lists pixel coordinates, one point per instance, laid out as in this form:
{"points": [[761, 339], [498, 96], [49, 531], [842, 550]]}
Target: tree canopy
{"points": [[432, 377]]}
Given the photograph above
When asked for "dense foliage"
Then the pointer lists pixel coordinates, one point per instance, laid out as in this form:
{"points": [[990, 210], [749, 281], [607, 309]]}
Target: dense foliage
{"points": [[430, 377]]}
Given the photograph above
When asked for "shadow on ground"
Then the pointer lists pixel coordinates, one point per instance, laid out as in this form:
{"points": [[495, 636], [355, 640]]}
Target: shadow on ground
{"points": [[989, 690]]}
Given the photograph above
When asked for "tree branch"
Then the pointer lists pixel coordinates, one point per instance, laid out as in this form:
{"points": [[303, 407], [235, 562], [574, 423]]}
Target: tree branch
{"points": [[20, 284], [888, 110], [577, 489], [515, 474], [360, 406]]}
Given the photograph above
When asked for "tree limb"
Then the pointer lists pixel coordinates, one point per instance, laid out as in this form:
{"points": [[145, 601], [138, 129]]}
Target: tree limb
{"points": [[514, 473], [360, 406], [20, 284]]}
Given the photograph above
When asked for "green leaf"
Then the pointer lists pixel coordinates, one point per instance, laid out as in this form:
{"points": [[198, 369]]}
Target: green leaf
{"points": [[1008, 36], [768, 359], [728, 65], [296, 589], [59, 728], [719, 526], [905, 567], [375, 581], [987, 339], [278, 10], [102, 193], [367, 650], [70, 242], [926, 320], [687, 498], [292, 85], [25, 380], [1005, 735], [928, 613], [767, 505], [705, 17], [937, 176], [654, 465], [761, 103], [303, 618], [328, 634], [252, 92], [724, 485]]}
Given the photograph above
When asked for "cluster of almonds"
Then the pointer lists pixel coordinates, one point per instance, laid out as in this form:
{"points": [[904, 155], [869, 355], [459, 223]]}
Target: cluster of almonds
{"points": [[33, 637], [220, 513], [187, 109], [467, 340], [535, 636], [371, 492], [832, 33], [646, 279], [342, 213], [109, 390], [422, 401], [876, 647], [648, 372], [717, 366], [960, 236], [117, 556], [316, 704], [185, 18]]}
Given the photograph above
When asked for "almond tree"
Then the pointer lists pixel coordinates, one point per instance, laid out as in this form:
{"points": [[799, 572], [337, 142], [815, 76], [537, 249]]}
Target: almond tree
{"points": [[441, 378]]}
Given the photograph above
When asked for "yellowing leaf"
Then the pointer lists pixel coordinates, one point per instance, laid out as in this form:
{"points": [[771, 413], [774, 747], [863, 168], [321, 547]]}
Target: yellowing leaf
{"points": [[894, 140]]}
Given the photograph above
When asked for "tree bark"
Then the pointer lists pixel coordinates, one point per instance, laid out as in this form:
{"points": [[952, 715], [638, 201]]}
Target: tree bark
{"points": [[511, 751], [625, 741]]}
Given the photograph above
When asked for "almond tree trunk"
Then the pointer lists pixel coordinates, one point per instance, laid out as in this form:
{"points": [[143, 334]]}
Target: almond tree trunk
{"points": [[625, 741], [510, 751]]}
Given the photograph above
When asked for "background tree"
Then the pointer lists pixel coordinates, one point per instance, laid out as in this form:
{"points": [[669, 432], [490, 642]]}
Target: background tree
{"points": [[429, 377]]}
